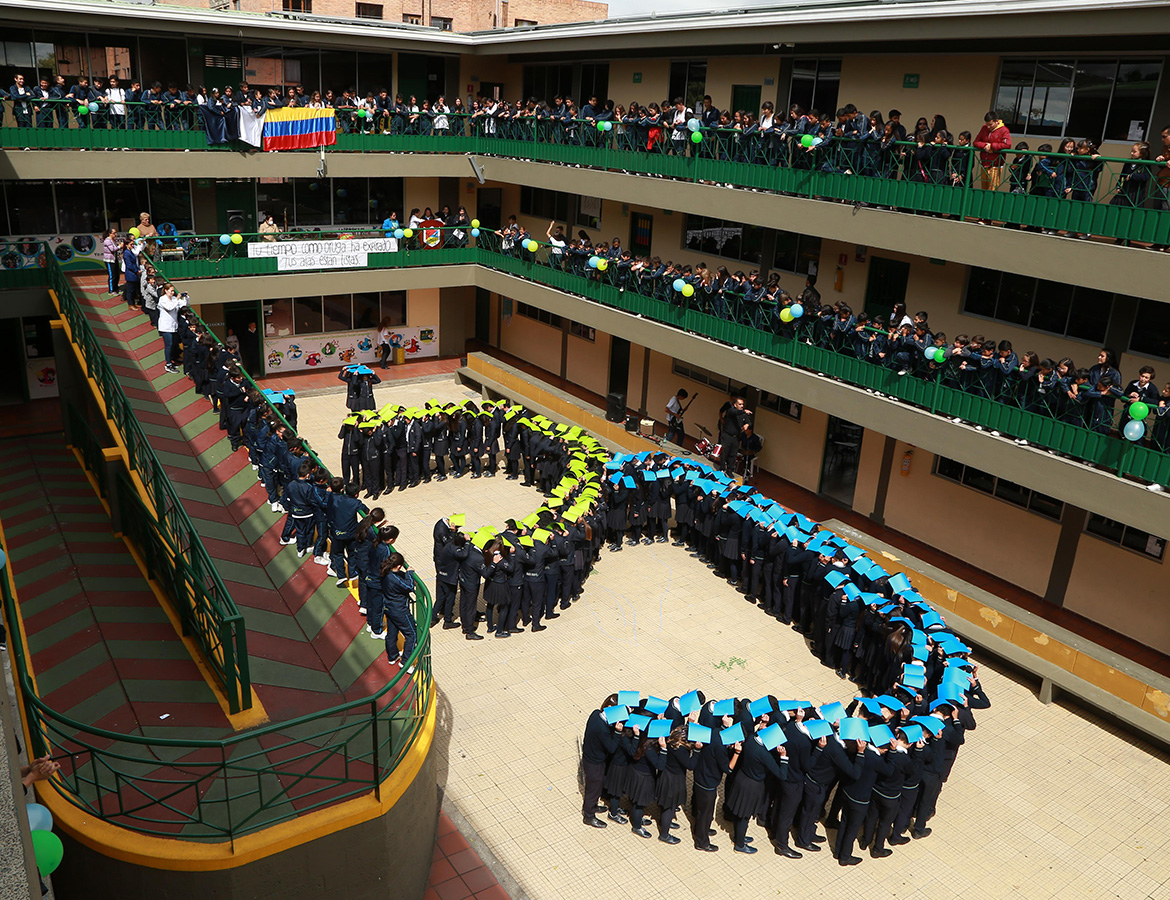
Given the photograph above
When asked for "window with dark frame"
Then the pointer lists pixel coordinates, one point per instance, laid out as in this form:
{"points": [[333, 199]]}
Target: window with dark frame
{"points": [[411, 19], [1000, 488], [1099, 99], [716, 237], [297, 6], [442, 23], [523, 23], [1066, 310], [1151, 329], [1126, 536], [549, 205], [780, 405], [540, 315], [368, 10]]}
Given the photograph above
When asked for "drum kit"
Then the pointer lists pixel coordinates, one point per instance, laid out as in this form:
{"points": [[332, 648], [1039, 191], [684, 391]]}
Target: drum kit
{"points": [[707, 448]]}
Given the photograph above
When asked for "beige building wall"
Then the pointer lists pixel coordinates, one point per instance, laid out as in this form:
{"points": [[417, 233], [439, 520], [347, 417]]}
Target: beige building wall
{"points": [[1122, 589], [422, 306], [793, 450], [869, 471], [961, 88], [1007, 541], [588, 363], [533, 341], [653, 87], [725, 71]]}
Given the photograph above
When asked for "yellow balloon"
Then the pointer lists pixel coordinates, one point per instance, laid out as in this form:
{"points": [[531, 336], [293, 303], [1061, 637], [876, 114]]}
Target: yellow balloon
{"points": [[475, 223], [786, 315], [602, 265], [237, 238], [134, 232], [408, 232], [688, 290]]}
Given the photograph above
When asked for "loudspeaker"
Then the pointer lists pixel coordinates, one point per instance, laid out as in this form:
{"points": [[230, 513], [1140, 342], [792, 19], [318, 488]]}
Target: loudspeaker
{"points": [[615, 410]]}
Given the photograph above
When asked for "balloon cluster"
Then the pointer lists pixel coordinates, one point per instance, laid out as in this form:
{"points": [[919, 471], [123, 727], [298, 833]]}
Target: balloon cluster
{"points": [[236, 238], [935, 354], [605, 126], [47, 847], [600, 263], [475, 227], [791, 313], [531, 246], [1135, 428]]}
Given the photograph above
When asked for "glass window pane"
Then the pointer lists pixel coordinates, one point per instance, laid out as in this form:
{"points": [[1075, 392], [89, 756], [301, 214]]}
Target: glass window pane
{"points": [[949, 468], [982, 291], [30, 208], [1133, 101], [338, 69], [1050, 97], [1046, 506], [1050, 311], [1092, 86], [981, 481], [307, 315], [1151, 328], [1015, 298], [124, 201], [165, 60], [786, 251], [170, 202], [274, 197], [312, 202], [337, 313], [393, 307], [366, 313], [112, 56], [278, 318], [828, 84], [351, 201], [80, 206], [1015, 92], [1011, 492], [1089, 314], [1106, 528]]}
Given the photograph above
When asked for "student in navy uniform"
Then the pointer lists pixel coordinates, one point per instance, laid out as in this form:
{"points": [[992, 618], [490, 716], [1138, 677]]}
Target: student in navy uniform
{"points": [[397, 586], [670, 790], [715, 760], [828, 763], [497, 571], [321, 516], [747, 798], [597, 747], [856, 789], [301, 502], [447, 571], [360, 381], [345, 514], [885, 800], [22, 98], [364, 539], [374, 600]]}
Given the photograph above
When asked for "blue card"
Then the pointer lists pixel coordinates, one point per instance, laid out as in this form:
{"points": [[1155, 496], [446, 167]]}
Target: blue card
{"points": [[790, 705], [835, 577], [899, 582], [664, 475], [689, 703], [615, 714], [638, 721], [872, 599], [913, 732], [914, 681], [918, 638], [649, 475], [655, 706], [870, 705], [616, 477], [758, 707], [629, 698], [880, 735], [700, 734], [831, 712], [724, 707], [772, 736], [612, 464], [854, 553], [853, 729], [732, 735], [890, 702], [659, 728], [932, 620], [930, 723], [941, 701], [919, 651], [851, 591], [912, 669], [629, 482], [818, 728]]}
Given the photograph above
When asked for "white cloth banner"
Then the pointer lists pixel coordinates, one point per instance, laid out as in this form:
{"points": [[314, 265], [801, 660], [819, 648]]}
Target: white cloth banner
{"points": [[251, 127], [312, 351], [292, 256]]}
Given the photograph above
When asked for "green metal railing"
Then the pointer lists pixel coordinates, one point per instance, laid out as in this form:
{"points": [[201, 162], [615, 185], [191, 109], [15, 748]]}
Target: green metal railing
{"points": [[1115, 197], [735, 327], [203, 604], [217, 789]]}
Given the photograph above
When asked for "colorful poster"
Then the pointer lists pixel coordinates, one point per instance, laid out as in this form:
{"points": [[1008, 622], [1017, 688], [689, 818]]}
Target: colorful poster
{"points": [[42, 377], [344, 348]]}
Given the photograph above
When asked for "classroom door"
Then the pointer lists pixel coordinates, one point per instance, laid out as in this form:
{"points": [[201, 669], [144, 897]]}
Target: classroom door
{"points": [[746, 97], [488, 203], [842, 455], [239, 317], [619, 367], [483, 316], [641, 233], [886, 285], [13, 386]]}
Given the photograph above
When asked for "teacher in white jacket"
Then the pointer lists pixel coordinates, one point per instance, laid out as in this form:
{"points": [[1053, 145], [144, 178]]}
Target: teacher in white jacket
{"points": [[169, 305]]}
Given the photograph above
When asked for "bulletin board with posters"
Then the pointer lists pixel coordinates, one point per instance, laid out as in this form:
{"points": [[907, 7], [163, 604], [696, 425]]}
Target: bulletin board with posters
{"points": [[322, 351]]}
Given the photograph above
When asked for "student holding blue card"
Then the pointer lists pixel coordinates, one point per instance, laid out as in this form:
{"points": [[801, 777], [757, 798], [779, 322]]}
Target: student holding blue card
{"points": [[786, 802], [747, 797], [597, 747], [645, 764], [715, 761], [887, 793], [856, 793], [670, 791]]}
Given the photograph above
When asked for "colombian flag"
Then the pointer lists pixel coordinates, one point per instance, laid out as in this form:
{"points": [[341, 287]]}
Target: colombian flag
{"points": [[297, 128]]}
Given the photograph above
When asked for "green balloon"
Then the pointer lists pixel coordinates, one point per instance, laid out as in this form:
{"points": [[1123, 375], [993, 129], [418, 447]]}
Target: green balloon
{"points": [[48, 850], [601, 126], [806, 140], [83, 110], [1138, 410], [696, 137]]}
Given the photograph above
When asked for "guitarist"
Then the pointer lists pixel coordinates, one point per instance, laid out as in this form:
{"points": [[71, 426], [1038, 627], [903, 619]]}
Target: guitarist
{"points": [[674, 416]]}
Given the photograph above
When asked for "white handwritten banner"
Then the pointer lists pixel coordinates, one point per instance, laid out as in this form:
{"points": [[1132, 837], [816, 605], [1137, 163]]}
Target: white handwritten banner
{"points": [[312, 351], [292, 256]]}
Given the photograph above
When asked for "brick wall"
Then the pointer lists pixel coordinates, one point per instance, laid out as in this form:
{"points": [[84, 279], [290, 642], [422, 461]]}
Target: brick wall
{"points": [[465, 15]]}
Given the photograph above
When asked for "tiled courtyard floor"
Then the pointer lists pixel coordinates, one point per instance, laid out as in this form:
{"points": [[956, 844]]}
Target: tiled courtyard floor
{"points": [[1044, 801]]}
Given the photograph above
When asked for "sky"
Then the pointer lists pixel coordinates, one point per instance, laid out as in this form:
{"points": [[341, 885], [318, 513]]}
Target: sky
{"points": [[642, 7]]}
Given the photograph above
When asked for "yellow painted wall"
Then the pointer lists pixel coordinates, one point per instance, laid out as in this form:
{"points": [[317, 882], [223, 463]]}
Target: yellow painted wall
{"points": [[476, 69], [961, 88], [725, 71], [533, 341], [1009, 542], [588, 364], [869, 471], [422, 306], [793, 450], [1122, 590]]}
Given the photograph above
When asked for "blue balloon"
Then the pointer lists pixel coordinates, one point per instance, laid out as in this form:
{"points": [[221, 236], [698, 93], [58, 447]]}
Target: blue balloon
{"points": [[225, 239], [93, 107], [398, 233], [608, 126], [593, 262], [1134, 430], [797, 310], [678, 284], [475, 232], [39, 817]]}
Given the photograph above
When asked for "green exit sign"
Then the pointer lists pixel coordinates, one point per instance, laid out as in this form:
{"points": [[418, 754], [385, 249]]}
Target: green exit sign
{"points": [[909, 81], [637, 78]]}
